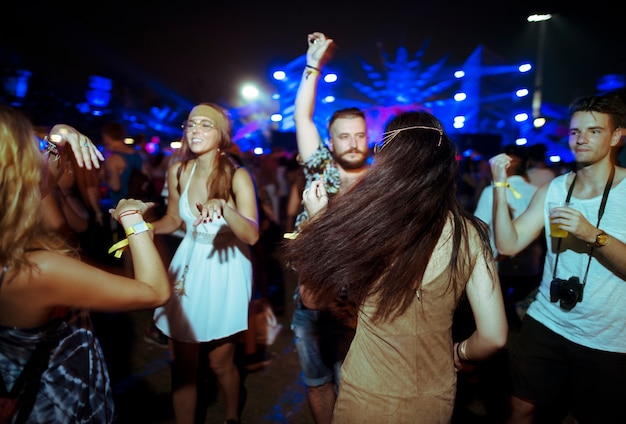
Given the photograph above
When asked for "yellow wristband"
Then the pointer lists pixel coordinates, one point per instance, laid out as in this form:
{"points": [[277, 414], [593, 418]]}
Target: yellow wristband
{"points": [[507, 185], [309, 70], [139, 227], [118, 248]]}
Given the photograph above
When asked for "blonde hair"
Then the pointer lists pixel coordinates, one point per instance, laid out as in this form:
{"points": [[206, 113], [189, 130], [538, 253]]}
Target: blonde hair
{"points": [[21, 174]]}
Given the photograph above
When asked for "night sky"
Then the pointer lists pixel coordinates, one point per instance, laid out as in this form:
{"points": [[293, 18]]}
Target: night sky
{"points": [[203, 50]]}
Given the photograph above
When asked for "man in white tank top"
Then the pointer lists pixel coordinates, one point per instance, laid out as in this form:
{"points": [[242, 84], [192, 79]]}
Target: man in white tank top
{"points": [[570, 355]]}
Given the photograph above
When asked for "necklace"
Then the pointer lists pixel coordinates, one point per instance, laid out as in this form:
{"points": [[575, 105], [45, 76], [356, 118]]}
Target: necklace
{"points": [[179, 286]]}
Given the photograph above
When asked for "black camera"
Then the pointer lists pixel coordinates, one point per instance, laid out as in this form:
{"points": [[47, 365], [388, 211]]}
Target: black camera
{"points": [[569, 292]]}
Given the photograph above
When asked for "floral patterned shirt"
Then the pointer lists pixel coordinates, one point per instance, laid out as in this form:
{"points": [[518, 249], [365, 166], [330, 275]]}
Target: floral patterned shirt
{"points": [[320, 165]]}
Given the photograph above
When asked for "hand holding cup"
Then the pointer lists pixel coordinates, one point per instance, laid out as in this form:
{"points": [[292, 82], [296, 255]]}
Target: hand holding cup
{"points": [[555, 227]]}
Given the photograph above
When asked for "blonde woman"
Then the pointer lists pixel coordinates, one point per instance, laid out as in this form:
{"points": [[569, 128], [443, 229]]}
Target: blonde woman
{"points": [[43, 282]]}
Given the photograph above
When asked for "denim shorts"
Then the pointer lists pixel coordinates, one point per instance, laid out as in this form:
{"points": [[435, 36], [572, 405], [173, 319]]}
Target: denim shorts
{"points": [[322, 343]]}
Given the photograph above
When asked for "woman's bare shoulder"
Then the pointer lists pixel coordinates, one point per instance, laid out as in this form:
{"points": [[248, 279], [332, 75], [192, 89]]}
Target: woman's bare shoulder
{"points": [[46, 261]]}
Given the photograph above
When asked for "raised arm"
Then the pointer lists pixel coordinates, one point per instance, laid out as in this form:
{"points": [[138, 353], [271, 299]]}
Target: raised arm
{"points": [[57, 152], [65, 281], [86, 153], [513, 236], [318, 54]]}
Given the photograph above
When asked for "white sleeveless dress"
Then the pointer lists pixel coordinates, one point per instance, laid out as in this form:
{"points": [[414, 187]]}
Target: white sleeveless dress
{"points": [[218, 282]]}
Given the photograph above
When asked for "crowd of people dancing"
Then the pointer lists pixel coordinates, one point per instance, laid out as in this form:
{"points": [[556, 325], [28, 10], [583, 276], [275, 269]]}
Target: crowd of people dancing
{"points": [[412, 266]]}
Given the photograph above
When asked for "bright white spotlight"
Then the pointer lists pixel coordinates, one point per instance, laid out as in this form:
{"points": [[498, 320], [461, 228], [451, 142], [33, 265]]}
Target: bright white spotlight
{"points": [[249, 91], [525, 67], [522, 92], [330, 78], [459, 97], [539, 17], [279, 75], [521, 117], [459, 74], [539, 122]]}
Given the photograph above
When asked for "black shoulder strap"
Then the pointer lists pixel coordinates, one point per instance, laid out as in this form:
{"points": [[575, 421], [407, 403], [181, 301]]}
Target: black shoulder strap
{"points": [[605, 196]]}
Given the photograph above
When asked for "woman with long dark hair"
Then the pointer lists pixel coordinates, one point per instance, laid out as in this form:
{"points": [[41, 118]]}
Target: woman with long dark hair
{"points": [[406, 251]]}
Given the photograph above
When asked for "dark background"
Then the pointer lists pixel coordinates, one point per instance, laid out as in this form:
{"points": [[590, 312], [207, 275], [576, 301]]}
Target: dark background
{"points": [[203, 50]]}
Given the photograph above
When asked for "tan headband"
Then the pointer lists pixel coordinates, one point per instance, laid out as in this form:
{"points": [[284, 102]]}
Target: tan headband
{"points": [[217, 117]]}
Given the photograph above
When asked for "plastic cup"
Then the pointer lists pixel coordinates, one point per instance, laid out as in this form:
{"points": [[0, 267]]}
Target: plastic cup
{"points": [[555, 230]]}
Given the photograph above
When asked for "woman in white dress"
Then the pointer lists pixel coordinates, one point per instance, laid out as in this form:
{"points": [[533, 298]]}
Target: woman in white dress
{"points": [[214, 200]]}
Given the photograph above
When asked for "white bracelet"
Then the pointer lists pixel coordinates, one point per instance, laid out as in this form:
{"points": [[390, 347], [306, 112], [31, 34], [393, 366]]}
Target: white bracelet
{"points": [[137, 228]]}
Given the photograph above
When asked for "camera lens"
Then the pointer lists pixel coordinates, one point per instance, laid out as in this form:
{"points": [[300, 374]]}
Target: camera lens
{"points": [[568, 299], [566, 292]]}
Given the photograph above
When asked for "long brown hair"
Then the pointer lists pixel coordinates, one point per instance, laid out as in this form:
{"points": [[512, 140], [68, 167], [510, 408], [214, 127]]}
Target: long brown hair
{"points": [[22, 172], [378, 237]]}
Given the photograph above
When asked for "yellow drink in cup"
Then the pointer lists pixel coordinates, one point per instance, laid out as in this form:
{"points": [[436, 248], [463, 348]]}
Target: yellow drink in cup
{"points": [[555, 230]]}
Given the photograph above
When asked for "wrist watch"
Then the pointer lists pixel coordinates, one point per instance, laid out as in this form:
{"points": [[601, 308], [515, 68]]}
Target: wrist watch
{"points": [[137, 228], [601, 239]]}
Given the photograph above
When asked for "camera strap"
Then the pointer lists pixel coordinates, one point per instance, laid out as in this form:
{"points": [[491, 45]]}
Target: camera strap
{"points": [[605, 196]]}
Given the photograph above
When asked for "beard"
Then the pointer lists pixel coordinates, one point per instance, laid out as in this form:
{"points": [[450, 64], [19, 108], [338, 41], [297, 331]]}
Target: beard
{"points": [[356, 163]]}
